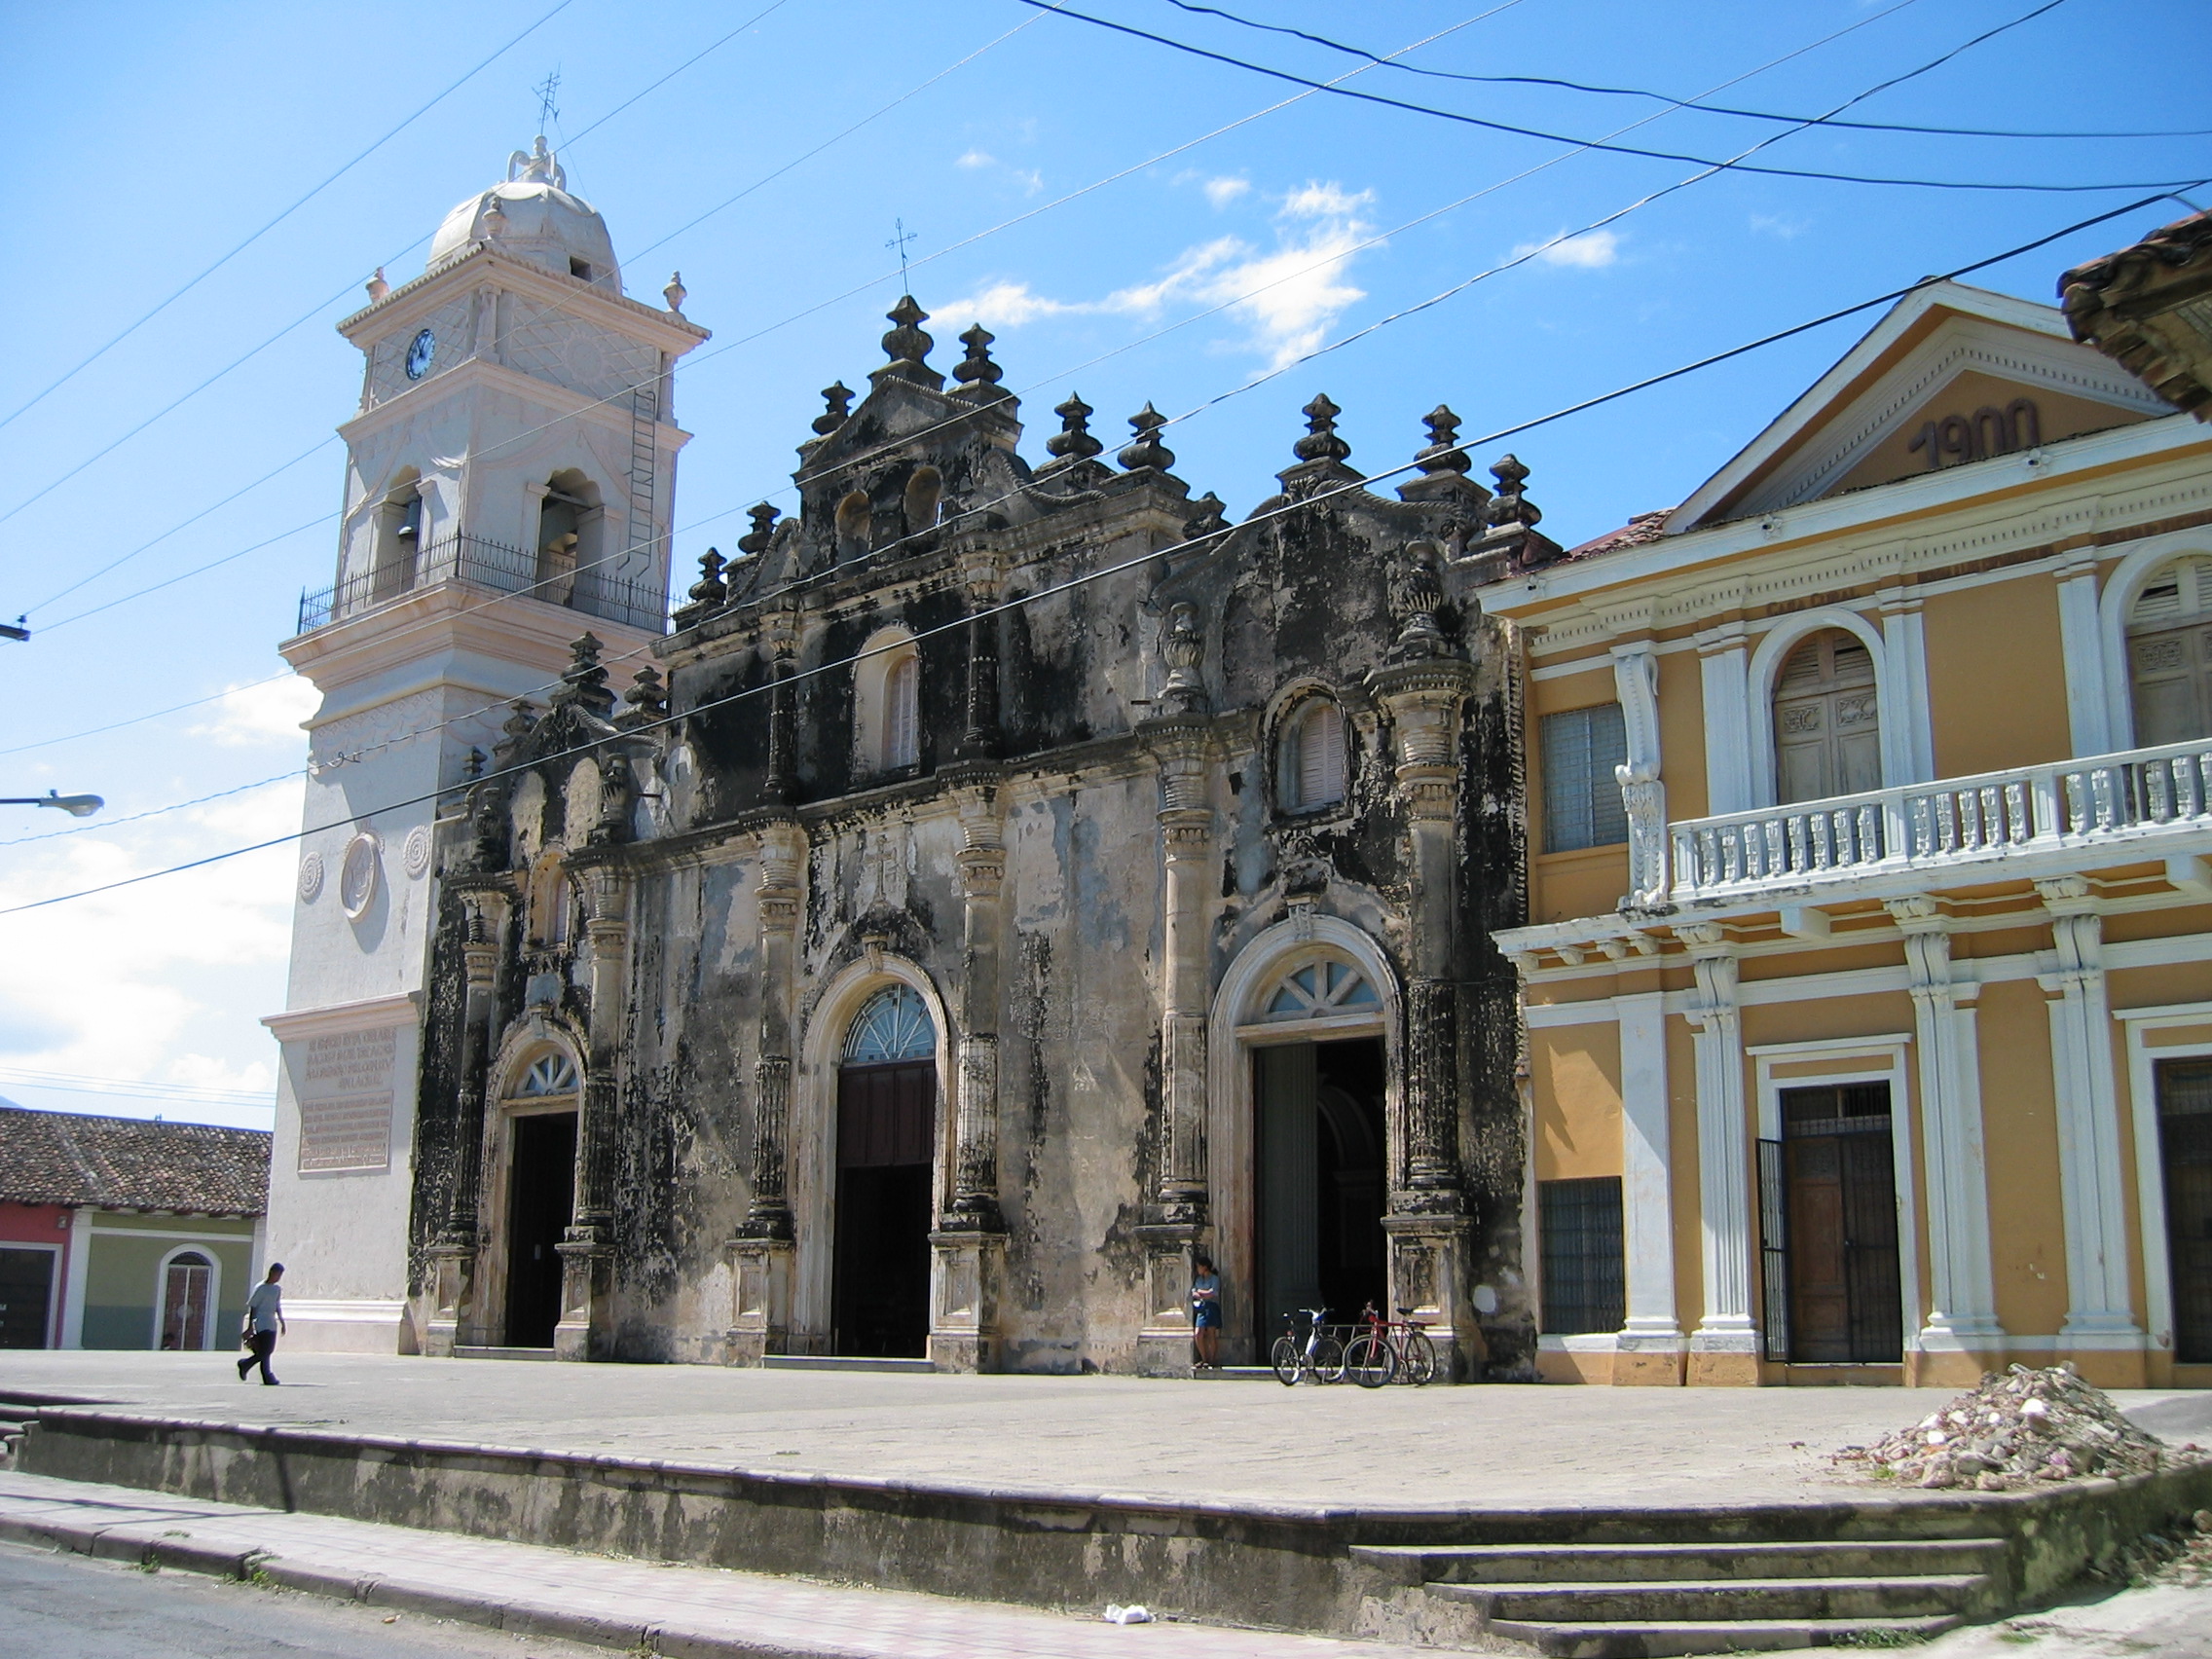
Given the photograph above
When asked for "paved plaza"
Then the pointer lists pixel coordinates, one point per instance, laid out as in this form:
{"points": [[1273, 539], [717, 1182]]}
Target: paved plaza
{"points": [[1234, 1442]]}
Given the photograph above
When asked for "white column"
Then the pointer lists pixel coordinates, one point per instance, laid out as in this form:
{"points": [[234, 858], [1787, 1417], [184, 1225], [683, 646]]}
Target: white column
{"points": [[1724, 1178], [1725, 663], [80, 1265], [1963, 1310], [2082, 645], [1908, 739], [2097, 1311], [1636, 683], [1648, 1203]]}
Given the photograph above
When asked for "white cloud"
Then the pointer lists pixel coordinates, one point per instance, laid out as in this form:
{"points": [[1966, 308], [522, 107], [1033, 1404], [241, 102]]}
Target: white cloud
{"points": [[252, 715], [1221, 192], [1774, 225], [1030, 178], [1592, 250], [1288, 298], [205, 1071], [977, 159]]}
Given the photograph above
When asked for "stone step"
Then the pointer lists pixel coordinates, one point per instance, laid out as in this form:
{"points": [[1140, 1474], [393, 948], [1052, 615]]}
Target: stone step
{"points": [[461, 1352], [1585, 1564], [1664, 1639], [1757, 1599], [842, 1362]]}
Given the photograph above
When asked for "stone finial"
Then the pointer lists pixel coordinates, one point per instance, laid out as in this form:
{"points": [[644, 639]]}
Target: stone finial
{"points": [[1212, 519], [676, 293], [1443, 454], [1416, 593], [378, 287], [1146, 448], [1321, 442], [837, 401], [584, 682], [763, 530], [495, 220], [979, 375], [1183, 647], [710, 589], [1073, 441], [906, 347], [1510, 506], [648, 698], [518, 726]]}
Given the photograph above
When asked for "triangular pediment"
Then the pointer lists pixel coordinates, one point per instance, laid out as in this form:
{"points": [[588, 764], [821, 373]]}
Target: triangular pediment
{"points": [[1950, 376]]}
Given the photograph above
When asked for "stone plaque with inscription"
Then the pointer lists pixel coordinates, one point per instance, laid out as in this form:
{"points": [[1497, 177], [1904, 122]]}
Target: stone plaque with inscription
{"points": [[345, 1095]]}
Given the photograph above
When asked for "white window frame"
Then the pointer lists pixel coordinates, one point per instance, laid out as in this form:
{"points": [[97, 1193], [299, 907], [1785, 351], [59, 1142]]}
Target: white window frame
{"points": [[1908, 744], [2116, 603], [214, 1291], [874, 687], [2150, 1162]]}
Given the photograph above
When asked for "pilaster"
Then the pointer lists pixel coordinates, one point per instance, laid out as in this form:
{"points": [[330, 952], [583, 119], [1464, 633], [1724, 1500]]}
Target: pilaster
{"points": [[761, 1254], [1724, 667], [484, 920], [1724, 1348], [587, 1247], [1650, 1344]]}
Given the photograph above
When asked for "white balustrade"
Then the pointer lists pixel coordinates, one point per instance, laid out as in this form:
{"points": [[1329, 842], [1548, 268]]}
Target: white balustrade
{"points": [[1957, 821]]}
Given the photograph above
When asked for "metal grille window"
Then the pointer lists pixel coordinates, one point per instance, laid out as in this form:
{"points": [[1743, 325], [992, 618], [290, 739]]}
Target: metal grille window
{"points": [[1582, 798], [1579, 1222]]}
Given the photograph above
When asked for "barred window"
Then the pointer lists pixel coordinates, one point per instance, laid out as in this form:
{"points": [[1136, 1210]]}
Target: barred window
{"points": [[1579, 1228], [1582, 798]]}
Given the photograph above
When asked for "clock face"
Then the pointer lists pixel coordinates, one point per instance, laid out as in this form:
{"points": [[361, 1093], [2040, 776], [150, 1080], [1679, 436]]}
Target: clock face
{"points": [[420, 352]]}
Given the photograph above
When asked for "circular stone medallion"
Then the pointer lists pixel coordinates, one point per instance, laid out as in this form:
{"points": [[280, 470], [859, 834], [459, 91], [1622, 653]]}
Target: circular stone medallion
{"points": [[311, 877], [357, 875], [418, 853]]}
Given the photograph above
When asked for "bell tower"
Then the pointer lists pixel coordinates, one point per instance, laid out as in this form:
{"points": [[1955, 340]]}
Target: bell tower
{"points": [[509, 478]]}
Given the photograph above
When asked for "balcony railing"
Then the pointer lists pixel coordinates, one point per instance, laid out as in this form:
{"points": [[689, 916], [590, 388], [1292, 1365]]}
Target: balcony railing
{"points": [[492, 565], [2086, 803]]}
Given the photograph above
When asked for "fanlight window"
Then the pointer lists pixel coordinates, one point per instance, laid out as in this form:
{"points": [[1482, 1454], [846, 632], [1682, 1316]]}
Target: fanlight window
{"points": [[892, 1027], [2169, 655], [1312, 770], [1320, 989], [550, 1074]]}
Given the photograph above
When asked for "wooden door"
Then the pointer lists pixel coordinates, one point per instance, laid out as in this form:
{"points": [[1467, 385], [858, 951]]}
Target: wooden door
{"points": [[1845, 1303], [1827, 721], [26, 1297], [541, 1184], [185, 1287], [879, 1295], [2185, 1142]]}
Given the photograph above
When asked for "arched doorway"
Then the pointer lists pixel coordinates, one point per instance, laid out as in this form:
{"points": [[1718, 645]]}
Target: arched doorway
{"points": [[2169, 655], [1319, 1139], [879, 1296], [1827, 737], [540, 1115], [188, 1301]]}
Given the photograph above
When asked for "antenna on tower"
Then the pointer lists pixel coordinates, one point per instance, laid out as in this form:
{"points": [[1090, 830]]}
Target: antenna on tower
{"points": [[900, 241], [548, 91]]}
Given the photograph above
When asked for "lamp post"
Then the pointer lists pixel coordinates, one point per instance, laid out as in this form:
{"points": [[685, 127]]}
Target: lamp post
{"points": [[75, 806]]}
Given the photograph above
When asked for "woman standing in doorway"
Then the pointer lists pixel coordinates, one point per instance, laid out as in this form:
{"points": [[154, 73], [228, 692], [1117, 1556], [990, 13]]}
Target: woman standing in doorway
{"points": [[1206, 1315]]}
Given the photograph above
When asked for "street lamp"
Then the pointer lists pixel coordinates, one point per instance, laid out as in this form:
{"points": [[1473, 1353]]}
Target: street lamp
{"points": [[75, 806]]}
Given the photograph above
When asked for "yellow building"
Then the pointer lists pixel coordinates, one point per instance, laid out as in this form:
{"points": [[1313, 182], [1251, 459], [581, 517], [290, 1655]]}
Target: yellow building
{"points": [[1868, 980]]}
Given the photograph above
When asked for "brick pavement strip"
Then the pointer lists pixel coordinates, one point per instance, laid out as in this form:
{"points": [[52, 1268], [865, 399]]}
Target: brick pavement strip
{"points": [[693, 1613]]}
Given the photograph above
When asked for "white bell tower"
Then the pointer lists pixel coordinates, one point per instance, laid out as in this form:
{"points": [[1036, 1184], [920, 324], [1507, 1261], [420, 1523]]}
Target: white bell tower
{"points": [[509, 480]]}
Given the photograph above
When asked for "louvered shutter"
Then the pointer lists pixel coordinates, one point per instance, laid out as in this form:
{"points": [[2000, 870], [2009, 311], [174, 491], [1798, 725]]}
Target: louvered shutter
{"points": [[1583, 797], [1320, 755], [902, 742]]}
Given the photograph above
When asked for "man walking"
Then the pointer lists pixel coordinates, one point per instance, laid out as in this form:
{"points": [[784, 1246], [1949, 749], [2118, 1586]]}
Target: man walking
{"points": [[263, 1319]]}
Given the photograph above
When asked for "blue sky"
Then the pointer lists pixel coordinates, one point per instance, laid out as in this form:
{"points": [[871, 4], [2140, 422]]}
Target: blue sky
{"points": [[143, 142]]}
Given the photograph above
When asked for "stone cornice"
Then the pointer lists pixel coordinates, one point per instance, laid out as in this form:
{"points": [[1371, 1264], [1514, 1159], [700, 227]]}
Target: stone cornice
{"points": [[483, 264]]}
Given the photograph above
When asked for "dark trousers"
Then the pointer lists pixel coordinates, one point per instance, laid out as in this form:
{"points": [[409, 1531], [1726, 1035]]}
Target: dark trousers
{"points": [[261, 1344]]}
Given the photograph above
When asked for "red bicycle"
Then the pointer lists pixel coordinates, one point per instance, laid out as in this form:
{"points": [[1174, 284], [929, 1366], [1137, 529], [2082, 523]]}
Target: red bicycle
{"points": [[1386, 1349]]}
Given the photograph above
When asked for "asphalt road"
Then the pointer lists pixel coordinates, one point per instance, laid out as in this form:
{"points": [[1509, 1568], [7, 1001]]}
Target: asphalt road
{"points": [[64, 1606]]}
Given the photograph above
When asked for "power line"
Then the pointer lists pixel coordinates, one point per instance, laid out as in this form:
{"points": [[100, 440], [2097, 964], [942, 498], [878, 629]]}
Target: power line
{"points": [[183, 1093], [1696, 103], [1062, 9], [1148, 557], [148, 316]]}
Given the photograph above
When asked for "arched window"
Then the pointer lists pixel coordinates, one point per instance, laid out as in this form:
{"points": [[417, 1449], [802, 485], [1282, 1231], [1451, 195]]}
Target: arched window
{"points": [[887, 684], [853, 517], [398, 531], [549, 1075], [1321, 990], [552, 904], [892, 1025], [1827, 736], [2169, 655], [1310, 773], [924, 491], [568, 525], [188, 1284]]}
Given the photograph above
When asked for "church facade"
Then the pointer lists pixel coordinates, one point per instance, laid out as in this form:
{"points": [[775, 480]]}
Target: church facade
{"points": [[1004, 885]]}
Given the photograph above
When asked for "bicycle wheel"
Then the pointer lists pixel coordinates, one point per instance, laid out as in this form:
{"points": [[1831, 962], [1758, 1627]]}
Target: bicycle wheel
{"points": [[1369, 1361], [1417, 1359], [1327, 1360], [1287, 1359]]}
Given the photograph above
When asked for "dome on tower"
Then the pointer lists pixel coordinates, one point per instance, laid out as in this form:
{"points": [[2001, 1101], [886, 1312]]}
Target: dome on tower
{"points": [[533, 217]]}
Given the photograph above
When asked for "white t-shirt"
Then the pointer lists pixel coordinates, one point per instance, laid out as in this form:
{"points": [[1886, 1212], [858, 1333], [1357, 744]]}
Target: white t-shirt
{"points": [[261, 1305]]}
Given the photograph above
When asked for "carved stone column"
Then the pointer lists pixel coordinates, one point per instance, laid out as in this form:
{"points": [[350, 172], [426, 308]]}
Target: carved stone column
{"points": [[2100, 1333], [1636, 682], [1725, 1346], [1961, 1337], [1181, 742], [981, 737], [761, 1253], [587, 1247], [970, 1240], [1424, 691], [454, 1255]]}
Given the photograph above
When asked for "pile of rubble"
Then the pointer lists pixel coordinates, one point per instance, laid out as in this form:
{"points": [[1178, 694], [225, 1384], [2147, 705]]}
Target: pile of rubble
{"points": [[2017, 1431]]}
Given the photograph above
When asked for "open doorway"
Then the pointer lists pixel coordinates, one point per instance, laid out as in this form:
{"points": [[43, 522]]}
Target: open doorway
{"points": [[1318, 1137], [542, 1181], [879, 1292], [1829, 1212]]}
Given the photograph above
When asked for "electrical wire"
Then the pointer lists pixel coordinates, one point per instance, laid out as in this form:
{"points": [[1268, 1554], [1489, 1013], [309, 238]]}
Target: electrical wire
{"points": [[148, 316], [183, 1093], [1061, 9], [1696, 103], [1122, 567]]}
